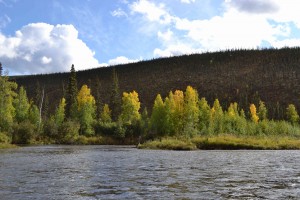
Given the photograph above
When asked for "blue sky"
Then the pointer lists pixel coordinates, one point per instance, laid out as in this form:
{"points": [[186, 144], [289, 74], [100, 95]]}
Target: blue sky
{"points": [[48, 36]]}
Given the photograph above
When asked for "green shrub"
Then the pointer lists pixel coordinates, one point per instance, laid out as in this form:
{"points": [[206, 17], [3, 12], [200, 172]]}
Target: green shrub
{"points": [[51, 131], [4, 138], [69, 132], [24, 133]]}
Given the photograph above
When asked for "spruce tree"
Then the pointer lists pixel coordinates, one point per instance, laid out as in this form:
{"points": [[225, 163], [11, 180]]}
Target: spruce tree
{"points": [[115, 98], [71, 96], [1, 69]]}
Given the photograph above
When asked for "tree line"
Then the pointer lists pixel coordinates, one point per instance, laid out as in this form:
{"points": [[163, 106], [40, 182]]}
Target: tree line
{"points": [[82, 118]]}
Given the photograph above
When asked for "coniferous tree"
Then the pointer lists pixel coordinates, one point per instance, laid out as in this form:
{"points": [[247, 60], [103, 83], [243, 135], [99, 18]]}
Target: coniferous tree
{"points": [[45, 111], [71, 96], [96, 92], [115, 98], [1, 69]]}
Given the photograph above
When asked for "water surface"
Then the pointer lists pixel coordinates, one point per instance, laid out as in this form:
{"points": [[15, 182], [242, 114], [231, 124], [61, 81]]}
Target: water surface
{"points": [[114, 172]]}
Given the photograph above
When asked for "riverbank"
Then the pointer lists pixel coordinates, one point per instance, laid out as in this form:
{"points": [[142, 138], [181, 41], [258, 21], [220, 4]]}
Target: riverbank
{"points": [[7, 146], [225, 142]]}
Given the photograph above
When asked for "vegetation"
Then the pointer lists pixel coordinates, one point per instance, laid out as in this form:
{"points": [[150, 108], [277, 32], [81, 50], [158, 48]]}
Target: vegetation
{"points": [[180, 120]]}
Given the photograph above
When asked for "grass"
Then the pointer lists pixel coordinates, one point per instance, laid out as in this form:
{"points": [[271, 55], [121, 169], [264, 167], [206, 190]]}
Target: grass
{"points": [[168, 144], [7, 146], [225, 142]]}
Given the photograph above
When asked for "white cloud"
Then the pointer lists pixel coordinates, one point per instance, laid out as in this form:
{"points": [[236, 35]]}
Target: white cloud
{"points": [[4, 20], [153, 12], [122, 60], [254, 6], [242, 24], [44, 48], [46, 60], [187, 1], [166, 36], [175, 50], [119, 13], [232, 30]]}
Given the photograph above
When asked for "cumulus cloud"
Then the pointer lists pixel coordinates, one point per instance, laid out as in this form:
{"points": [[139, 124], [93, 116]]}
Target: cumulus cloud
{"points": [[232, 30], [241, 24], [254, 6], [44, 48], [165, 36], [153, 12]]}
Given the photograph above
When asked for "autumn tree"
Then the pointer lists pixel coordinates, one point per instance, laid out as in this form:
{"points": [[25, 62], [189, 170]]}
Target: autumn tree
{"points": [[105, 115], [292, 114], [86, 110], [191, 112], [158, 116], [262, 111], [130, 108], [216, 121], [254, 116], [60, 112], [21, 105], [204, 115], [7, 110], [71, 96]]}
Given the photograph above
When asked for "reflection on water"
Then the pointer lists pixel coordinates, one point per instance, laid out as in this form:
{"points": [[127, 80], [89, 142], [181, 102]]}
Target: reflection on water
{"points": [[111, 172]]}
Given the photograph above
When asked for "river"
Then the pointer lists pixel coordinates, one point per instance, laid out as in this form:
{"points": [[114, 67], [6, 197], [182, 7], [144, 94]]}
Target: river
{"points": [[116, 172]]}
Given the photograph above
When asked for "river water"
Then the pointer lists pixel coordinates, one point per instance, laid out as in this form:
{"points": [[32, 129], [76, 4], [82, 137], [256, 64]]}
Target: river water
{"points": [[114, 172]]}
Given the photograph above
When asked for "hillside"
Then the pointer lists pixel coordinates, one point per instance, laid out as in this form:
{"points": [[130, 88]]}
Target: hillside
{"points": [[245, 76]]}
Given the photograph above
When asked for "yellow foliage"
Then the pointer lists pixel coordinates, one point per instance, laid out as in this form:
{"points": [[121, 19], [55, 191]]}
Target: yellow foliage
{"points": [[84, 96], [254, 116], [130, 107]]}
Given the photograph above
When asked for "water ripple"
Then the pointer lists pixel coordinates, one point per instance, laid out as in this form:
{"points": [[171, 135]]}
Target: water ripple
{"points": [[113, 172]]}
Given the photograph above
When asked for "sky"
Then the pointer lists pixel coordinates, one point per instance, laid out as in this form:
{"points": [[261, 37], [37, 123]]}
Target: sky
{"points": [[47, 36]]}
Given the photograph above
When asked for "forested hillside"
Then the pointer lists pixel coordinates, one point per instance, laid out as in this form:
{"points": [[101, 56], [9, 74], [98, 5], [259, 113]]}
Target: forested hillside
{"points": [[244, 76]]}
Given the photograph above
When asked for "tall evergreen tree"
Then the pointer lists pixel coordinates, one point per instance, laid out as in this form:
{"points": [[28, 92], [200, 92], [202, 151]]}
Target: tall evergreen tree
{"points": [[115, 98], [71, 96], [96, 93], [1, 69]]}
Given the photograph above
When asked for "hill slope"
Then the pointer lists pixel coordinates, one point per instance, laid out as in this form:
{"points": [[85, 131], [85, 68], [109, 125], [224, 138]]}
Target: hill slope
{"points": [[244, 76]]}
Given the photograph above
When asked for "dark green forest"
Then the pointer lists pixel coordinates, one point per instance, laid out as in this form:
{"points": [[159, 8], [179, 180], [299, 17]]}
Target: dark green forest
{"points": [[244, 76]]}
